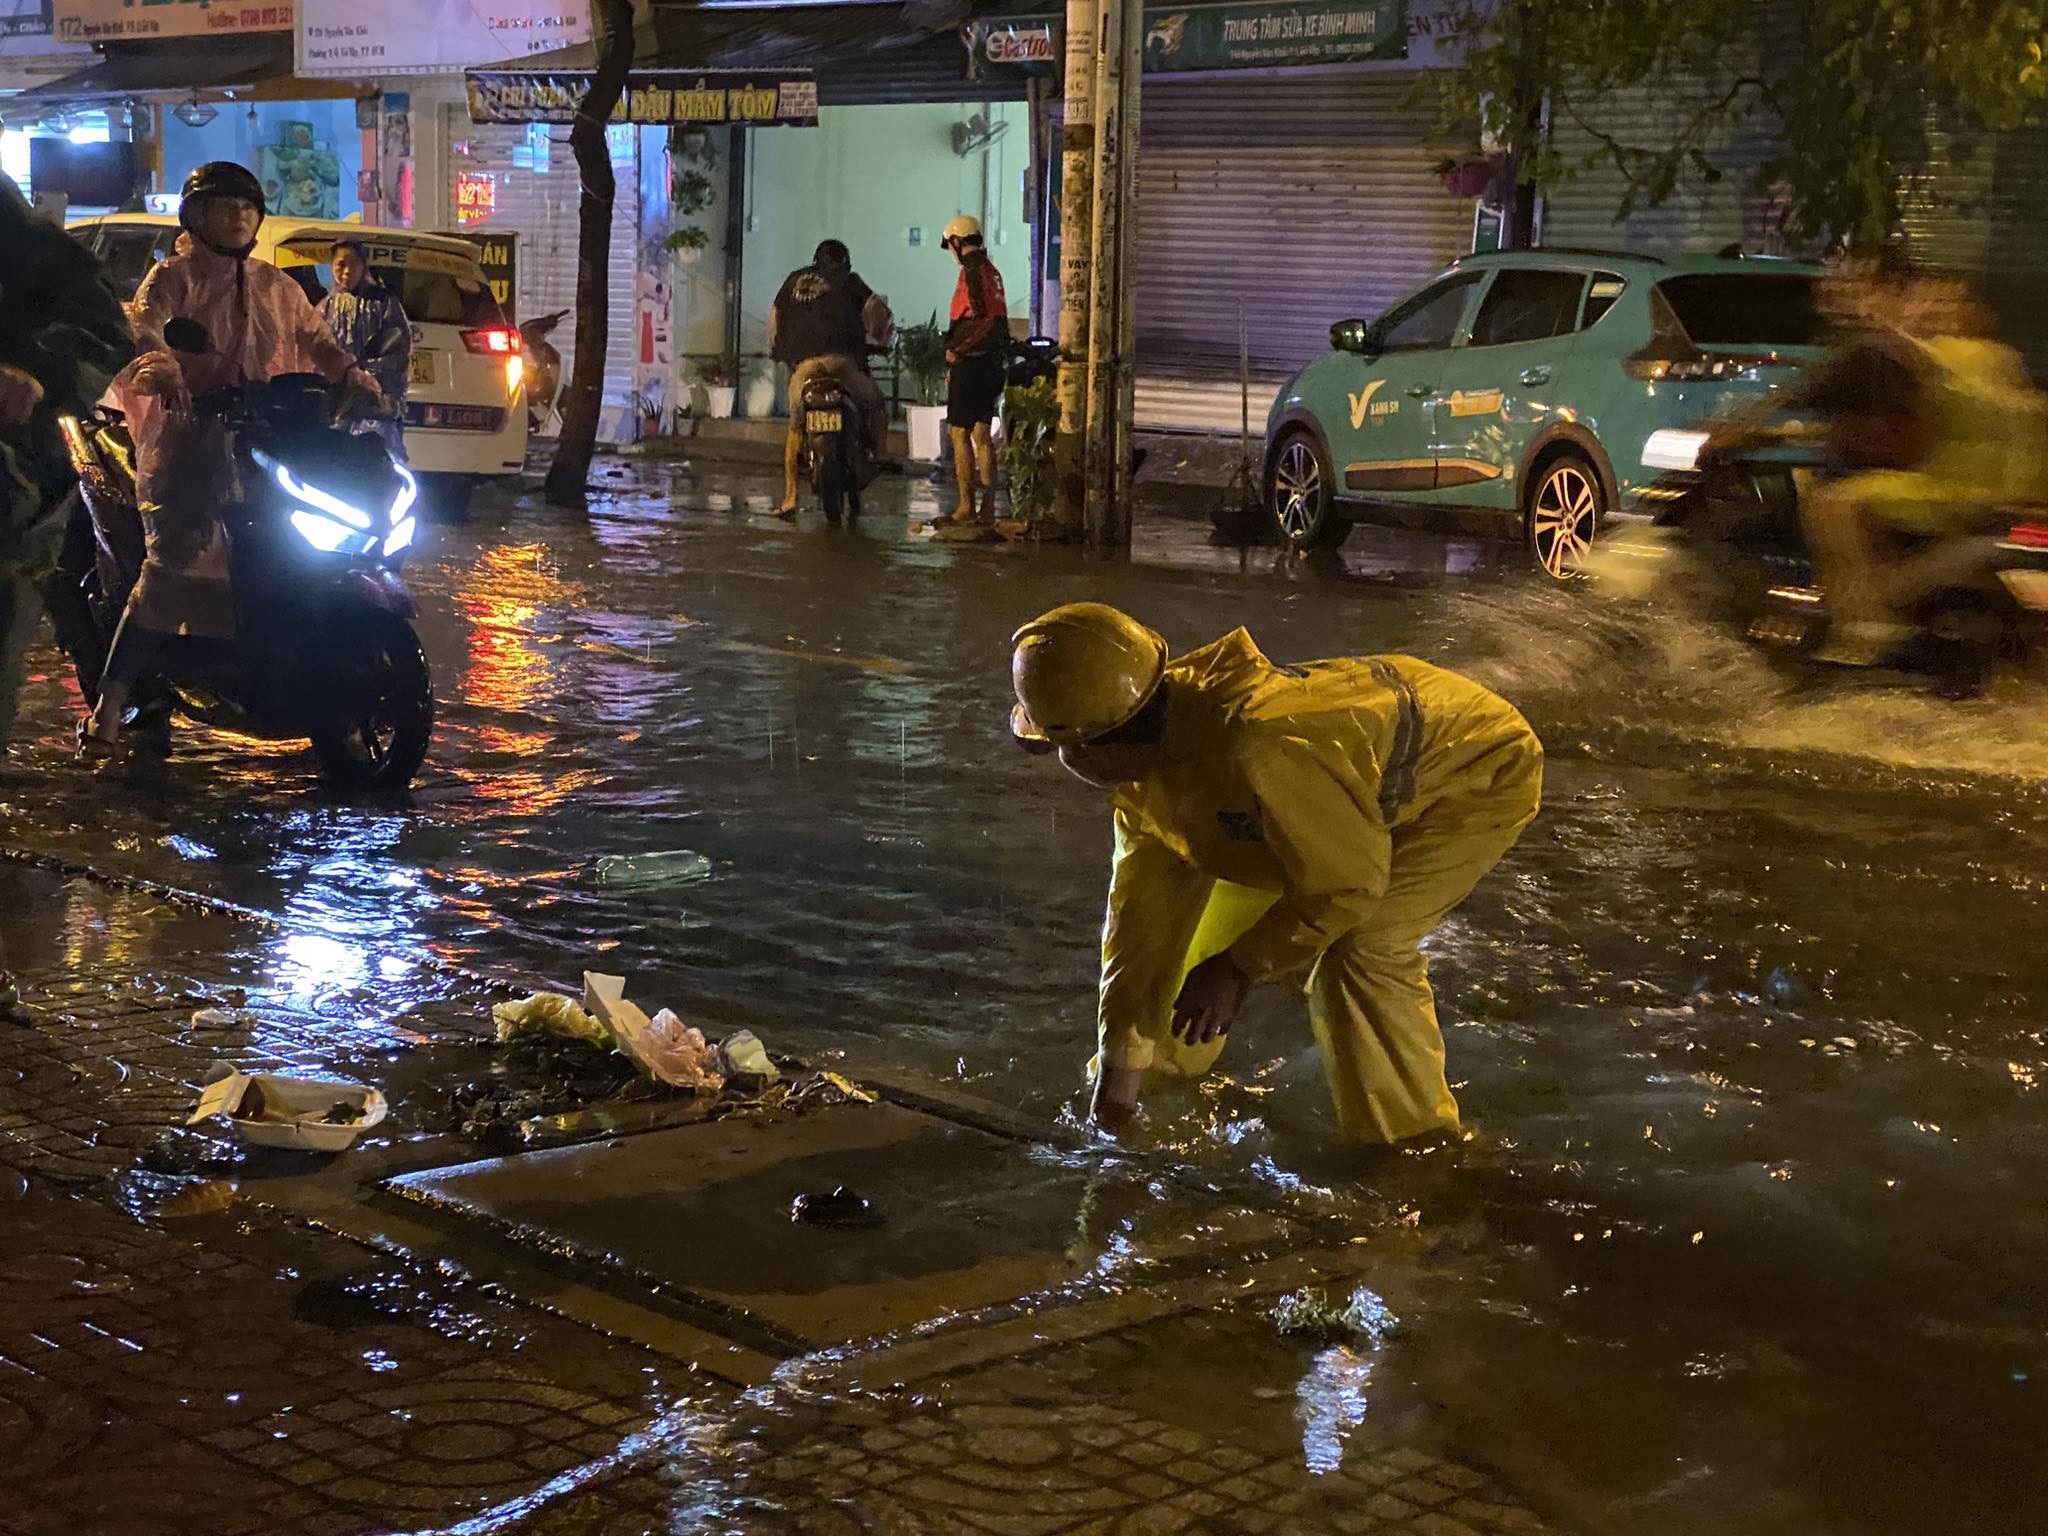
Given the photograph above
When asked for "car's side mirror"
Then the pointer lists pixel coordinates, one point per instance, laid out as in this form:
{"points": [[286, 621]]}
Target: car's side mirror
{"points": [[1353, 336]]}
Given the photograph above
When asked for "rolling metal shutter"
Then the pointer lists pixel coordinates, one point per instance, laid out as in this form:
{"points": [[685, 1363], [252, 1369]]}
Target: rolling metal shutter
{"points": [[1700, 215], [1308, 199], [1980, 206], [542, 207]]}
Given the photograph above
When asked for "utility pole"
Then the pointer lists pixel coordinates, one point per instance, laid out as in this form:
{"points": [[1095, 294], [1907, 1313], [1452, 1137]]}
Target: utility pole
{"points": [[1118, 532], [1077, 216], [1099, 459]]}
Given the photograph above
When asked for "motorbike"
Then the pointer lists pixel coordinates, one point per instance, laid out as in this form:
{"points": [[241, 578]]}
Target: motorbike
{"points": [[1731, 500], [833, 454], [324, 649], [543, 367]]}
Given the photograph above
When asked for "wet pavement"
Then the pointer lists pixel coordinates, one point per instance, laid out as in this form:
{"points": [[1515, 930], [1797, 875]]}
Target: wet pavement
{"points": [[1750, 1027]]}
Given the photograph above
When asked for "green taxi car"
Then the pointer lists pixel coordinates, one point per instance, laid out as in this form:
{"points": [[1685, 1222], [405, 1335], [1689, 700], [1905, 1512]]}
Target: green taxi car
{"points": [[1529, 384]]}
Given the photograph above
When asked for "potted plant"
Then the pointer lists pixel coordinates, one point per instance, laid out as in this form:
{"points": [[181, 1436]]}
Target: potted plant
{"points": [[1031, 419], [721, 378], [690, 191], [921, 355]]}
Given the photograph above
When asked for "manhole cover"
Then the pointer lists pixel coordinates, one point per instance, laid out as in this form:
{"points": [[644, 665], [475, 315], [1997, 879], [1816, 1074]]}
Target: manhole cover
{"points": [[969, 1219]]}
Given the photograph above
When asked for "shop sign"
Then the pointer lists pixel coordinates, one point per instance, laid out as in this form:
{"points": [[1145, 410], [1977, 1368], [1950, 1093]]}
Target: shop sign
{"points": [[24, 18], [659, 96], [93, 21], [355, 38], [476, 196], [498, 254], [1254, 34]]}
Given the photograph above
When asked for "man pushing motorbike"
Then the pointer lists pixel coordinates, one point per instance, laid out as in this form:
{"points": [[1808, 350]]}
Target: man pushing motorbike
{"points": [[820, 325], [257, 324]]}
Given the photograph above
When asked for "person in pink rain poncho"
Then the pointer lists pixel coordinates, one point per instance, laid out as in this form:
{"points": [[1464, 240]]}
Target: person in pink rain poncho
{"points": [[258, 324]]}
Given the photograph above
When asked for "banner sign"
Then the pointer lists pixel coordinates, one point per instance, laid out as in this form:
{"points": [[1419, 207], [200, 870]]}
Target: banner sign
{"points": [[1253, 34], [785, 97], [94, 21], [353, 38], [24, 18]]}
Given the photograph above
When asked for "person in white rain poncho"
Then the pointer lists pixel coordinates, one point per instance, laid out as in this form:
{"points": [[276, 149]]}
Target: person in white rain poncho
{"points": [[258, 324]]}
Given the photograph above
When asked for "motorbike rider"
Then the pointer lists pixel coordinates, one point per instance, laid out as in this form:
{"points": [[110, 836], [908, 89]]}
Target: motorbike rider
{"points": [[1934, 432], [977, 355], [257, 324], [367, 318], [62, 339], [821, 324]]}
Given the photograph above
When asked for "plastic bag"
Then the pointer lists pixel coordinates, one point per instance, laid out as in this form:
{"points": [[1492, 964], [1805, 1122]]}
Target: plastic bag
{"points": [[668, 1050], [744, 1056], [548, 1013]]}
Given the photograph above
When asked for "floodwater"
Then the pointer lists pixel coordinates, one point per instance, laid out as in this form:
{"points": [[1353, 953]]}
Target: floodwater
{"points": [[1751, 1027]]}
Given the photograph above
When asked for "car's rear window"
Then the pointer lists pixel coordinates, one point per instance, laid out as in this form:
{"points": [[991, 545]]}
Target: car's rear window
{"points": [[434, 287], [1729, 309]]}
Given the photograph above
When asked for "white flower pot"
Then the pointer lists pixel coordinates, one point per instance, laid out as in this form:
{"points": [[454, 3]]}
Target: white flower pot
{"points": [[763, 394], [718, 400], [927, 424]]}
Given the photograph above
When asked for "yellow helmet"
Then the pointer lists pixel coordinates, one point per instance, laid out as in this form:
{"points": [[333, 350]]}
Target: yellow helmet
{"points": [[1081, 671], [961, 227]]}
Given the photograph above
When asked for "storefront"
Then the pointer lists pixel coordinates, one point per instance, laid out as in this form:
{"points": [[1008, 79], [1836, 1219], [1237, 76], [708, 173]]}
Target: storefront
{"points": [[1286, 181], [195, 83]]}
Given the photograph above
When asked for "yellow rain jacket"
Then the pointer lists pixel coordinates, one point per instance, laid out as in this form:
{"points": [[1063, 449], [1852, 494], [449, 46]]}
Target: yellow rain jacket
{"points": [[1321, 818], [1991, 443]]}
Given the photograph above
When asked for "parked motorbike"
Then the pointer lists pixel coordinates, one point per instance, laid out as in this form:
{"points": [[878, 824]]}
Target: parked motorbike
{"points": [[543, 367], [1732, 502], [1032, 360], [325, 648]]}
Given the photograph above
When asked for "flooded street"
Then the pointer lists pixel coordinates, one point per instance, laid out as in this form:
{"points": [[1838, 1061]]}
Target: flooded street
{"points": [[1751, 1027]]}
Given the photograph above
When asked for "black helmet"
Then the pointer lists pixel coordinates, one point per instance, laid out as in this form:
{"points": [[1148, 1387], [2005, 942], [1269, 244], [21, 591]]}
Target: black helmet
{"points": [[221, 178]]}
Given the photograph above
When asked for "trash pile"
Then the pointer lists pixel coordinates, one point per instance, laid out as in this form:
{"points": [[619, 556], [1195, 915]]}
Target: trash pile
{"points": [[562, 1055]]}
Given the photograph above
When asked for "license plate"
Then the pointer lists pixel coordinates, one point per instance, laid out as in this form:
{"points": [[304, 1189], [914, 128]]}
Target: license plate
{"points": [[422, 369], [821, 423], [2030, 587]]}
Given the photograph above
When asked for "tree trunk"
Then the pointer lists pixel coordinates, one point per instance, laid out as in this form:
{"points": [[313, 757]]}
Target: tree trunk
{"points": [[582, 400]]}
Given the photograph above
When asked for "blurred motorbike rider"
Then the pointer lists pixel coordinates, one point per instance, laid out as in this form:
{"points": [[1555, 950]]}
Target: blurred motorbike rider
{"points": [[62, 339], [1934, 433], [821, 325], [258, 324], [366, 316]]}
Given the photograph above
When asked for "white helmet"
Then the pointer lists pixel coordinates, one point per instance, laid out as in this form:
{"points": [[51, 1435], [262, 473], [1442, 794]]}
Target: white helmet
{"points": [[963, 227]]}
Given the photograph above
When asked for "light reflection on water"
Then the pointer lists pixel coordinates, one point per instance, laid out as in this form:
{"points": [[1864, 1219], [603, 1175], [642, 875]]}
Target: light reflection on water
{"points": [[1646, 1006]]}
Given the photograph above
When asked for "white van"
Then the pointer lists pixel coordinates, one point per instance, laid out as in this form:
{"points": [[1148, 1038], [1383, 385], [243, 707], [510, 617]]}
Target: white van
{"points": [[465, 412]]}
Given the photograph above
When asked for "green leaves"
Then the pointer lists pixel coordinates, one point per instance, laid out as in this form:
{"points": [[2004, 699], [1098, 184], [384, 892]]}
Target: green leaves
{"points": [[1849, 88]]}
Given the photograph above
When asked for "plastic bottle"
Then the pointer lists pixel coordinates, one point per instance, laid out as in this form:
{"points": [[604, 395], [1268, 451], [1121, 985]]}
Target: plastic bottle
{"points": [[634, 869]]}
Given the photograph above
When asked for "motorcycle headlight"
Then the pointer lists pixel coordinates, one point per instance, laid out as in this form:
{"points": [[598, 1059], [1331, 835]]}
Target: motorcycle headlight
{"points": [[323, 533], [408, 493], [399, 537]]}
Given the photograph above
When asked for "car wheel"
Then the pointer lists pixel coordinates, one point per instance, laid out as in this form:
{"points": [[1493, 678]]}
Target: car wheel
{"points": [[1299, 496], [1567, 509]]}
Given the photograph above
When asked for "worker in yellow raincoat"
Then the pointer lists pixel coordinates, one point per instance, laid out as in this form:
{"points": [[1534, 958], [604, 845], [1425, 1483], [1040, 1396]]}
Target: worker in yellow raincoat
{"points": [[1276, 823]]}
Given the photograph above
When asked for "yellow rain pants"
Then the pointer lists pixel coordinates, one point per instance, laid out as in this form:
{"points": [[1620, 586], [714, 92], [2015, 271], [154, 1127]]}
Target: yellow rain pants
{"points": [[1341, 880]]}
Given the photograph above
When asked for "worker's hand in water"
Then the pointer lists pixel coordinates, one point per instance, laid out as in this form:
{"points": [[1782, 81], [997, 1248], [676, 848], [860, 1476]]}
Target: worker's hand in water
{"points": [[1116, 1099], [1210, 1000]]}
